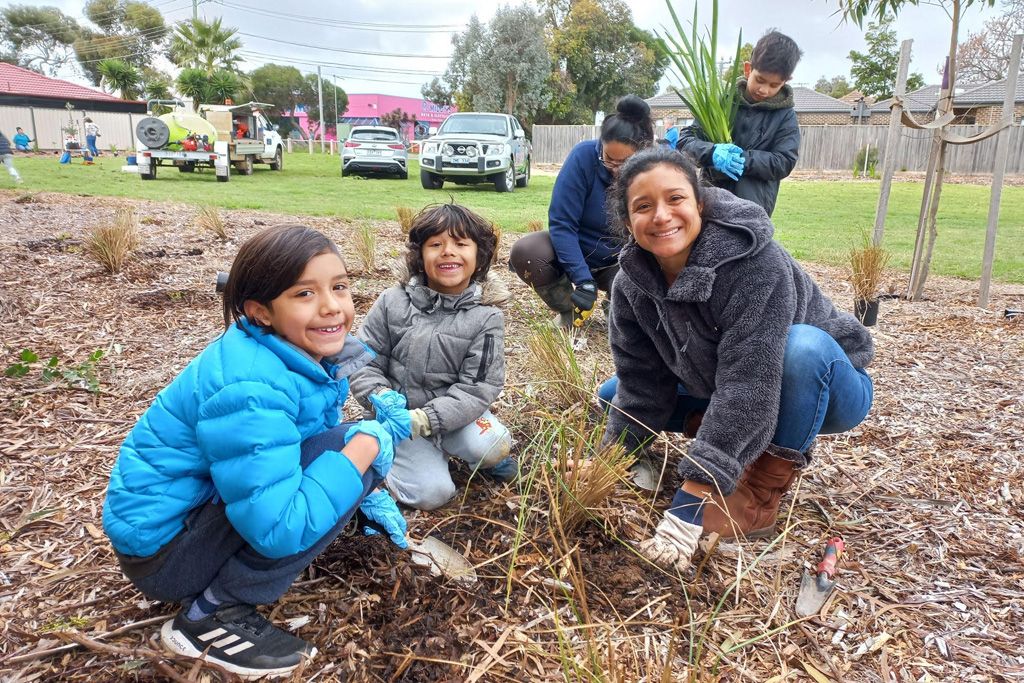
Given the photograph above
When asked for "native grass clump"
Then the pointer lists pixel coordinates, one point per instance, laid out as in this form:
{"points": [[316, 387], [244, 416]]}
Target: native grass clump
{"points": [[535, 226], [704, 87], [867, 265], [209, 220], [112, 244], [405, 216], [558, 371], [366, 246]]}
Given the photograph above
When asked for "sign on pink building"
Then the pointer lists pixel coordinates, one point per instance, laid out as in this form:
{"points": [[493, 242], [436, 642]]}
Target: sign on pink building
{"points": [[372, 106]]}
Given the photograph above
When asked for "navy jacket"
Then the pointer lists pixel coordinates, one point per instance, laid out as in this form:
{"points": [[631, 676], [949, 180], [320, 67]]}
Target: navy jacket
{"points": [[576, 217], [720, 330], [769, 135], [5, 146]]}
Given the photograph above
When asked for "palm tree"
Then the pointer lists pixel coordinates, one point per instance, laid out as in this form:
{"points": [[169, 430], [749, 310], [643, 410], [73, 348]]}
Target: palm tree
{"points": [[205, 45], [193, 83], [121, 77]]}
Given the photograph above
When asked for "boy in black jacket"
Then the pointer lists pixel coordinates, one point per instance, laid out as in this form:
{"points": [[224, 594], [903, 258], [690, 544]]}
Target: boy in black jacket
{"points": [[765, 134]]}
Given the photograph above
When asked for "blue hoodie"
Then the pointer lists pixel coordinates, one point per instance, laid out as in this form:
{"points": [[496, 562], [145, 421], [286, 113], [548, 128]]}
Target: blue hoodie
{"points": [[577, 220], [232, 424]]}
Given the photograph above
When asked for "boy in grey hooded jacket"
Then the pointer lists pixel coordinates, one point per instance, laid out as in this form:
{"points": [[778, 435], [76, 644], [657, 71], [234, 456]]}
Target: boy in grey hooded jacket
{"points": [[443, 351]]}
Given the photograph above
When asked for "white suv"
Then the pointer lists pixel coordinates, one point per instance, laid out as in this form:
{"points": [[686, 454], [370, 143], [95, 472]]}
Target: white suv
{"points": [[476, 147], [376, 149]]}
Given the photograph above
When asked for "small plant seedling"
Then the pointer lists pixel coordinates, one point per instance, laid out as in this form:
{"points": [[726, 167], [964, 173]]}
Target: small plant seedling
{"points": [[209, 220], [366, 246], [405, 216], [81, 376]]}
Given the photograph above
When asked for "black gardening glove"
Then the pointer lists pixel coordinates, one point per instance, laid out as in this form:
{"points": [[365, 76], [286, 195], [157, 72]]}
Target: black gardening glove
{"points": [[584, 296]]}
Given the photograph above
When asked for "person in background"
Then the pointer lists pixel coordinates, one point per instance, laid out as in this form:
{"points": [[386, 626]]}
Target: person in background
{"points": [[21, 140], [92, 131], [765, 134], [577, 256], [7, 157]]}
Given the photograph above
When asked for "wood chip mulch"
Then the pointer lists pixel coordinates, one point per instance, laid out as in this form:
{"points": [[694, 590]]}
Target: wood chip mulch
{"points": [[928, 494]]}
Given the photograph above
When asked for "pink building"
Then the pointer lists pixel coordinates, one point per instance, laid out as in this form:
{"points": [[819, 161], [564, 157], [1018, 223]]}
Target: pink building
{"points": [[366, 109]]}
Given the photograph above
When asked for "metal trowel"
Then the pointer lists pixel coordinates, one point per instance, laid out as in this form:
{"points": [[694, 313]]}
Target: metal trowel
{"points": [[434, 553], [814, 590]]}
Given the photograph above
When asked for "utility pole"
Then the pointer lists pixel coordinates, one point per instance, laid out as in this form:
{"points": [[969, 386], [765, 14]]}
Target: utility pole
{"points": [[335, 78], [320, 97], [195, 10]]}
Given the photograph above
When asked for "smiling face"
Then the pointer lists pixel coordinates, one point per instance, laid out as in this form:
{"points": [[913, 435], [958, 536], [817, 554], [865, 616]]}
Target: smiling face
{"points": [[449, 262], [762, 85], [664, 216], [316, 312]]}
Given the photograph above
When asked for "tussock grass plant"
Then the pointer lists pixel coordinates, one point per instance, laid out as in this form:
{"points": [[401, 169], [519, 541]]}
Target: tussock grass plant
{"points": [[112, 244], [209, 220], [867, 265], [497, 246], [707, 94], [535, 226], [405, 216], [366, 246], [557, 369]]}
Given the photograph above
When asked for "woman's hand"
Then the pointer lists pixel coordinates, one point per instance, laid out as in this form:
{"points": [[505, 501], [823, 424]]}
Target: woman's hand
{"points": [[673, 543], [584, 296]]}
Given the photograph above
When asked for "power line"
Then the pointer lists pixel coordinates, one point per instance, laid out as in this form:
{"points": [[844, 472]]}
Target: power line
{"points": [[355, 67], [338, 49], [105, 15], [341, 23]]}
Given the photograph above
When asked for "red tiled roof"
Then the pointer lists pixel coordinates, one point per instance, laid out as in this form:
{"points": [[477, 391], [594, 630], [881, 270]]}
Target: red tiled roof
{"points": [[17, 81]]}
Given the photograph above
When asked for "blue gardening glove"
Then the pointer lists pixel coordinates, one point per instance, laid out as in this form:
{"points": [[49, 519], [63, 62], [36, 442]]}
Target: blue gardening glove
{"points": [[722, 158], [386, 448], [584, 295], [389, 406], [737, 164], [381, 508]]}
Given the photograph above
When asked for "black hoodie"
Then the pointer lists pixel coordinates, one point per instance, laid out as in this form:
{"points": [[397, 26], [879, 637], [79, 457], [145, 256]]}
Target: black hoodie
{"points": [[720, 330]]}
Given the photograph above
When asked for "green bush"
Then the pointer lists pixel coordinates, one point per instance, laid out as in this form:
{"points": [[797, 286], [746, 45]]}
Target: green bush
{"points": [[871, 152]]}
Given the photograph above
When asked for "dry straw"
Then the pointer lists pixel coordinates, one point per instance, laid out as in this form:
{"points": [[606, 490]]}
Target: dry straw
{"points": [[405, 216], [366, 246], [209, 220], [557, 369], [535, 226], [867, 264], [112, 244]]}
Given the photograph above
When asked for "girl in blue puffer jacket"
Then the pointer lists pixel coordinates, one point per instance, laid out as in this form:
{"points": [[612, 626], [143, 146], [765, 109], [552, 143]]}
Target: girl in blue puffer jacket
{"points": [[239, 474]]}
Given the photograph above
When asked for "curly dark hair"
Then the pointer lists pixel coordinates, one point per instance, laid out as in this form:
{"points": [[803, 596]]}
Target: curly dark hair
{"points": [[269, 263], [617, 204], [457, 221]]}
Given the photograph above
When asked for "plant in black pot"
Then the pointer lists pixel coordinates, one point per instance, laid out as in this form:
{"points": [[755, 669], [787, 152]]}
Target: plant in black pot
{"points": [[867, 263]]}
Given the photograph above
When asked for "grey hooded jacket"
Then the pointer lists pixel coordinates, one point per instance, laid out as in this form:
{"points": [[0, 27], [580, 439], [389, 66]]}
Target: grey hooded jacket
{"points": [[720, 330], [444, 352]]}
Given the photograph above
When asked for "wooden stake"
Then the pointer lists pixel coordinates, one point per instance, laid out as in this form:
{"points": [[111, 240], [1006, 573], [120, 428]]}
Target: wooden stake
{"points": [[891, 142]]}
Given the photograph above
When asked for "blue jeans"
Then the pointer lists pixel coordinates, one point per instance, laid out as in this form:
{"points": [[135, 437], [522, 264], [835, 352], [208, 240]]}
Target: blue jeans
{"points": [[822, 393], [90, 142]]}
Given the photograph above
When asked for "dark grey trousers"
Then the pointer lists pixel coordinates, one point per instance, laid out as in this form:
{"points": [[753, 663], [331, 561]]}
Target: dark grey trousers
{"points": [[209, 553], [534, 260]]}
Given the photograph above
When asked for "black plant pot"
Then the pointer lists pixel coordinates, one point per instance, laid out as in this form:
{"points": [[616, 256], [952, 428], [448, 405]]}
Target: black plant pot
{"points": [[866, 311]]}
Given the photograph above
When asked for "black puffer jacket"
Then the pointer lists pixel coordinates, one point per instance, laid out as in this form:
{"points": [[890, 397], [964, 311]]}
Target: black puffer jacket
{"points": [[720, 330], [5, 146], [770, 138]]}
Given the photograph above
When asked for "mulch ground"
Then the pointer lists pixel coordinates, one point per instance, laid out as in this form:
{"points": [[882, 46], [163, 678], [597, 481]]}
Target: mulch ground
{"points": [[928, 494]]}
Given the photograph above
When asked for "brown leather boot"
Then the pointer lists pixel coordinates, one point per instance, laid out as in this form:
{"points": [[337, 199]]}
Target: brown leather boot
{"points": [[753, 508]]}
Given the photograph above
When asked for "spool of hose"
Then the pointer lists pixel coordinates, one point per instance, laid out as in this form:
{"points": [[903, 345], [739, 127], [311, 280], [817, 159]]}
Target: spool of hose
{"points": [[152, 132]]}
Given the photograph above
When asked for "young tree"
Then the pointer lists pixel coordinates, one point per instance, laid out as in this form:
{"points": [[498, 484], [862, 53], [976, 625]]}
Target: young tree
{"points": [[208, 46], [985, 56], [874, 72], [37, 38], [513, 64], [458, 85], [130, 31]]}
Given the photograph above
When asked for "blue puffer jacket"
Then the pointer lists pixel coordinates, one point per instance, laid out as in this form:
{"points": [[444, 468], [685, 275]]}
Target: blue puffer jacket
{"points": [[577, 220], [232, 424]]}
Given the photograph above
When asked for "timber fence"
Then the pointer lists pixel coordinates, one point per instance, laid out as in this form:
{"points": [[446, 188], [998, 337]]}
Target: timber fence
{"points": [[833, 148]]}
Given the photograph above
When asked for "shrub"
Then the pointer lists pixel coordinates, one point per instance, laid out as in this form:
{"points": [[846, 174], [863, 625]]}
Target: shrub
{"points": [[112, 244], [209, 220], [868, 154]]}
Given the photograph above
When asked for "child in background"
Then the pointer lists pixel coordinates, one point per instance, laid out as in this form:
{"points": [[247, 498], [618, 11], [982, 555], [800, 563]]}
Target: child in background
{"points": [[239, 474], [7, 157], [21, 140], [92, 131], [765, 134], [439, 339]]}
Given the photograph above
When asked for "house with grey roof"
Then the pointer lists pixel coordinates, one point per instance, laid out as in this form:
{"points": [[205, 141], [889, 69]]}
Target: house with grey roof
{"points": [[973, 104], [812, 109]]}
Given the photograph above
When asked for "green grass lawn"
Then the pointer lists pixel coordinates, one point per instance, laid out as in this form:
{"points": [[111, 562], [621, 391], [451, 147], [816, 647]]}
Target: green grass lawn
{"points": [[816, 221]]}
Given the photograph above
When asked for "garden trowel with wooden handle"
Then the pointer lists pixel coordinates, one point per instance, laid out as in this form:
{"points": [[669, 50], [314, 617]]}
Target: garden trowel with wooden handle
{"points": [[814, 590]]}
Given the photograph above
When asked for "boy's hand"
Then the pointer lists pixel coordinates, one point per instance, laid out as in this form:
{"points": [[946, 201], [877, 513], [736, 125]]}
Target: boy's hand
{"points": [[385, 445], [728, 160], [389, 406], [381, 508]]}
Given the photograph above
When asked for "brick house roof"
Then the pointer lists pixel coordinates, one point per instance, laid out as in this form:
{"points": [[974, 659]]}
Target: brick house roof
{"points": [[15, 80], [989, 93], [805, 100], [924, 100]]}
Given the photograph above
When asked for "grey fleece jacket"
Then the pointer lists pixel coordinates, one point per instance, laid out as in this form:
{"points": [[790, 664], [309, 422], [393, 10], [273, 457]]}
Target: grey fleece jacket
{"points": [[444, 352], [720, 330]]}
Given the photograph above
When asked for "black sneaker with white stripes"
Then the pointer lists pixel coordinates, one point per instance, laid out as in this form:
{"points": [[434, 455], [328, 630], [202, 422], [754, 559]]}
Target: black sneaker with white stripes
{"points": [[239, 639]]}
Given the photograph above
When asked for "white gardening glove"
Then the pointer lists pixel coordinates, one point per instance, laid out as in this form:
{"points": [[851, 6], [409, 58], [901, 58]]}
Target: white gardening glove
{"points": [[673, 543], [420, 423]]}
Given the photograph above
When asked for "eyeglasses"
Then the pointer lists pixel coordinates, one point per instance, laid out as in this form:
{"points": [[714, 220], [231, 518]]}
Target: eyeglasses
{"points": [[611, 164]]}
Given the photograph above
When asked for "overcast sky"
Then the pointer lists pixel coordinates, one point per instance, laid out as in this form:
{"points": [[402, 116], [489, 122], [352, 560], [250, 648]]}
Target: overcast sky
{"points": [[407, 42]]}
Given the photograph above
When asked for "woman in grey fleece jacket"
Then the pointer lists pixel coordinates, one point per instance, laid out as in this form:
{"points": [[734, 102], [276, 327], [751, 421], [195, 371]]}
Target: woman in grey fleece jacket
{"points": [[444, 351], [717, 330]]}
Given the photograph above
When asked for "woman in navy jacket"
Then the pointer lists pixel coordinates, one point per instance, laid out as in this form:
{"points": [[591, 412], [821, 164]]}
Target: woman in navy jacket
{"points": [[578, 255]]}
